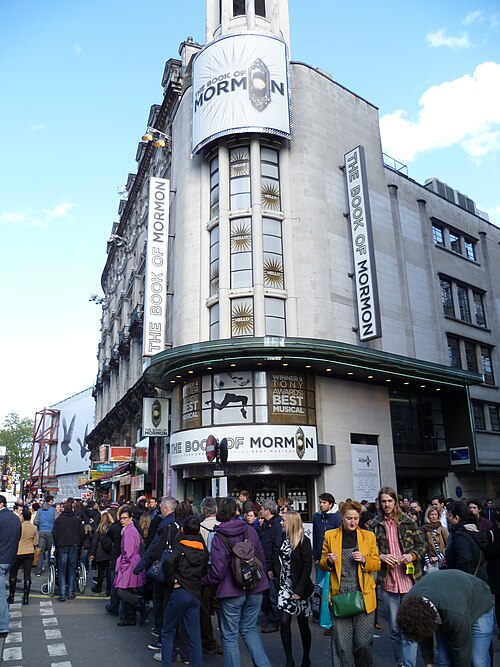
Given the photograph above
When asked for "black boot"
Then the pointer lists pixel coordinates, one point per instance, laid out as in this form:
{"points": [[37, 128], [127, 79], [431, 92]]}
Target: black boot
{"points": [[12, 591], [26, 592]]}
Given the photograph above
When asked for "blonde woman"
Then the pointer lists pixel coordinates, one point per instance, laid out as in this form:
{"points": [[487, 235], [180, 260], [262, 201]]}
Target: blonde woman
{"points": [[295, 586], [351, 555], [100, 552], [435, 538]]}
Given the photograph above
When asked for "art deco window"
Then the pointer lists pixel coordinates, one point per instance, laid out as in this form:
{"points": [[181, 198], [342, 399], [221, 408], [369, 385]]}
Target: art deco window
{"points": [[470, 251], [260, 8], [275, 317], [470, 356], [454, 352], [270, 184], [478, 414], [455, 242], [214, 322], [273, 253], [477, 298], [242, 317], [447, 297], [239, 178], [214, 187], [437, 234], [238, 7], [214, 261], [234, 398], [463, 303], [487, 365], [494, 414], [241, 253]]}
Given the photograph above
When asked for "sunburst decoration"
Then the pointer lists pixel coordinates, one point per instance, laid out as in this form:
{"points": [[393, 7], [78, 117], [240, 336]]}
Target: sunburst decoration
{"points": [[271, 196], [241, 237], [214, 278], [273, 273], [240, 164], [242, 318]]}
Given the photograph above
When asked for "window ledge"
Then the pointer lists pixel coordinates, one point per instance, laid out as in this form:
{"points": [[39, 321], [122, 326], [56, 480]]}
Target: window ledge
{"points": [[456, 254], [469, 324]]}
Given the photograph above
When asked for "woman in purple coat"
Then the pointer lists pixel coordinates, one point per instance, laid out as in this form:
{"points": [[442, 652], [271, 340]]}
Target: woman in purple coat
{"points": [[239, 610], [126, 582]]}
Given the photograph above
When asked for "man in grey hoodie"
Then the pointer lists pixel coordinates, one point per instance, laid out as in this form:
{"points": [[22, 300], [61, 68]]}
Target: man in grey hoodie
{"points": [[44, 521]]}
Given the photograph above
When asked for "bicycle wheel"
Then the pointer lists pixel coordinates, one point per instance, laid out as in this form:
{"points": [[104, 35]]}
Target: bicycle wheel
{"points": [[81, 578], [51, 580]]}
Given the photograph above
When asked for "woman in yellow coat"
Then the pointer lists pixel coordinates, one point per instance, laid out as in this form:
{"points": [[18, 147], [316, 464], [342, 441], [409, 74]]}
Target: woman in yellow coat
{"points": [[350, 554]]}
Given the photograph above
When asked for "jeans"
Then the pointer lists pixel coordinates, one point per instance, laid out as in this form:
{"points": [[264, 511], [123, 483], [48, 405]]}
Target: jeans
{"points": [[405, 652], [67, 561], [239, 615], [482, 631], [45, 541], [181, 607], [4, 607]]}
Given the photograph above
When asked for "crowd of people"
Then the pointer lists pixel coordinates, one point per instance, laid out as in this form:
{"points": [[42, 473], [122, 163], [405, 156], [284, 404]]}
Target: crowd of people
{"points": [[434, 569]]}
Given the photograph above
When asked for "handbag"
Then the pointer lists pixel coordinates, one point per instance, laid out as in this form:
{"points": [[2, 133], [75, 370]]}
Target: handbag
{"points": [[325, 620], [156, 572], [348, 604], [317, 595]]}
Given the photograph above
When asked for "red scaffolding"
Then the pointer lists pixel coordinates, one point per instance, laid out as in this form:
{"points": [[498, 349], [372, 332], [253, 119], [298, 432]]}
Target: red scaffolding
{"points": [[44, 453]]}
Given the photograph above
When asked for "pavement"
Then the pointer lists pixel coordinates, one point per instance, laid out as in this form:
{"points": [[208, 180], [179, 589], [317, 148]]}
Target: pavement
{"points": [[76, 633]]}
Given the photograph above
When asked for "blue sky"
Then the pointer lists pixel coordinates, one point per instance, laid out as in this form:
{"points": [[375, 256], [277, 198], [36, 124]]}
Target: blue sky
{"points": [[77, 80]]}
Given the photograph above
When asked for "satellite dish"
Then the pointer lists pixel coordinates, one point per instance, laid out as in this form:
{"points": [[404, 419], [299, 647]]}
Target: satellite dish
{"points": [[211, 448]]}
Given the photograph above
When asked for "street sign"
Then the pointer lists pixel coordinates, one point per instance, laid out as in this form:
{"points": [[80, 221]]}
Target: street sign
{"points": [[105, 467], [211, 448]]}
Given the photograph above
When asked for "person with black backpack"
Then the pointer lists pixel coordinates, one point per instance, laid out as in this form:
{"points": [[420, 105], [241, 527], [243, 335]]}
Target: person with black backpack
{"points": [[100, 553], [237, 571]]}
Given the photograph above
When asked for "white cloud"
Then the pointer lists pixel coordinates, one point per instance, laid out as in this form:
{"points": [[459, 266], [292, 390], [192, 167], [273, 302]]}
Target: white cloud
{"points": [[464, 112], [28, 218], [494, 215], [78, 49], [473, 17], [37, 128], [440, 38]]}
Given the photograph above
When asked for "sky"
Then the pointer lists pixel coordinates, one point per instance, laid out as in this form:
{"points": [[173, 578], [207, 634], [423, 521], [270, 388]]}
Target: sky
{"points": [[77, 79]]}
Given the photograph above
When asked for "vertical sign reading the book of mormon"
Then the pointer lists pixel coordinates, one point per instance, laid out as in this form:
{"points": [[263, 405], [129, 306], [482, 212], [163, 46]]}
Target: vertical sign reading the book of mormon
{"points": [[241, 84], [365, 273]]}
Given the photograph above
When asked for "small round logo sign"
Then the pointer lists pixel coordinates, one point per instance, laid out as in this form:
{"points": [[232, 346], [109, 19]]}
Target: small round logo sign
{"points": [[211, 448]]}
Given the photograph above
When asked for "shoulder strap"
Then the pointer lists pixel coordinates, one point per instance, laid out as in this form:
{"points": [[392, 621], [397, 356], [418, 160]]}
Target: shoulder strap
{"points": [[479, 561]]}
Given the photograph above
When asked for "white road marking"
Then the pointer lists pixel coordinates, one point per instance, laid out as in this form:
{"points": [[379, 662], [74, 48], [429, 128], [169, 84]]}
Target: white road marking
{"points": [[15, 614], [50, 620], [15, 625], [56, 650], [53, 634], [46, 611], [44, 603], [13, 653], [15, 605], [61, 664], [14, 638]]}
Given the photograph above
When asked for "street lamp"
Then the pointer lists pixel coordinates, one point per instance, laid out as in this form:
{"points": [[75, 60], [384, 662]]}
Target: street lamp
{"points": [[156, 137]]}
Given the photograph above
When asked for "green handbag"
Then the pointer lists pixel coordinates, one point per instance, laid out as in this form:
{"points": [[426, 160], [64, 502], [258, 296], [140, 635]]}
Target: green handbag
{"points": [[348, 604]]}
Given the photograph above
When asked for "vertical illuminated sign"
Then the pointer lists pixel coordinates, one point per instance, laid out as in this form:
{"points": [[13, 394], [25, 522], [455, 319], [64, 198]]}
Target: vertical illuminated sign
{"points": [[365, 273], [155, 292]]}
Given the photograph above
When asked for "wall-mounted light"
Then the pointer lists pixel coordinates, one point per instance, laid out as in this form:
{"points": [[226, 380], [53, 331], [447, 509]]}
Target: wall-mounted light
{"points": [[156, 137]]}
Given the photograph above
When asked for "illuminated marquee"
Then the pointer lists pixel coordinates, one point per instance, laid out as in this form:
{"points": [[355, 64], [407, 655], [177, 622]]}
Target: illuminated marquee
{"points": [[241, 84]]}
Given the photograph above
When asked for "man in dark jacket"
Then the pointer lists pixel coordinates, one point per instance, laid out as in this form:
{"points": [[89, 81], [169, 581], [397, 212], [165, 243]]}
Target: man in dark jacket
{"points": [[166, 532], [327, 518], [184, 568], [271, 537], [68, 537], [10, 532], [454, 608]]}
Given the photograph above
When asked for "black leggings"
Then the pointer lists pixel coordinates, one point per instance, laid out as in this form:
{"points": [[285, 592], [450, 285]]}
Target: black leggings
{"points": [[24, 560], [286, 636]]}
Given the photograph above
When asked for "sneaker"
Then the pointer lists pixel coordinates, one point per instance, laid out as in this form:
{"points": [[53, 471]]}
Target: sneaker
{"points": [[157, 656], [154, 646], [38, 574], [155, 632]]}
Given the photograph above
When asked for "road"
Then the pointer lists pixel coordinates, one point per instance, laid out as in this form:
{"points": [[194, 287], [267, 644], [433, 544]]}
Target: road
{"points": [[78, 633]]}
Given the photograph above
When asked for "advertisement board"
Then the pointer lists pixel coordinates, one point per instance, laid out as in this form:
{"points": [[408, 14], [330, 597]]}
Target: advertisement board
{"points": [[241, 84], [247, 443], [365, 472], [120, 453], [75, 423], [142, 456], [155, 412]]}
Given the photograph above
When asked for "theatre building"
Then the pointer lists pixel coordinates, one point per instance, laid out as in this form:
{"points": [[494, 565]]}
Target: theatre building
{"points": [[276, 281]]}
